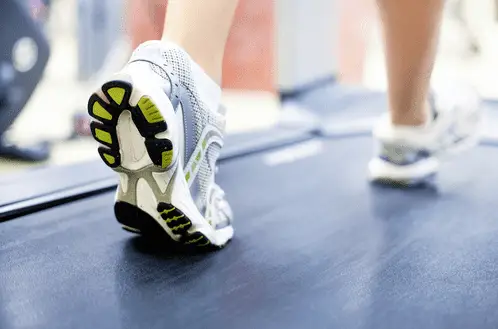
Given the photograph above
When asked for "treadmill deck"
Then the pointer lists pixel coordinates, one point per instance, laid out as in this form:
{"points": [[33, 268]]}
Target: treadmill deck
{"points": [[316, 246]]}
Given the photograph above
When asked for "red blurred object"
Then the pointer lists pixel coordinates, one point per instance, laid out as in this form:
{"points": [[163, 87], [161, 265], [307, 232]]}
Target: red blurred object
{"points": [[356, 21], [249, 54], [39, 10]]}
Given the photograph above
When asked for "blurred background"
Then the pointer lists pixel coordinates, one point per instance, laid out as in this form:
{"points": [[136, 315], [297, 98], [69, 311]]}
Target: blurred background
{"points": [[90, 39]]}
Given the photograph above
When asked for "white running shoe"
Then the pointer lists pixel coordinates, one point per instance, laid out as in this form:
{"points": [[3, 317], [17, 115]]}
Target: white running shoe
{"points": [[412, 155], [161, 127]]}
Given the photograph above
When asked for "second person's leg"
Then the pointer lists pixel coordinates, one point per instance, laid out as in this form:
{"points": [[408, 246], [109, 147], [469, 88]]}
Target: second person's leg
{"points": [[411, 33], [417, 132]]}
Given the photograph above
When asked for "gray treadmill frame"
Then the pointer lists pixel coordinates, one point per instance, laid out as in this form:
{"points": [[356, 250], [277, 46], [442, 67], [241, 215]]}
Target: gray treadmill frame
{"points": [[306, 50], [58, 185]]}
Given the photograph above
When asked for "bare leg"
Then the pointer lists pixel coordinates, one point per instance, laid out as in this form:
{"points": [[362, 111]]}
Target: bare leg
{"points": [[411, 32], [201, 27]]}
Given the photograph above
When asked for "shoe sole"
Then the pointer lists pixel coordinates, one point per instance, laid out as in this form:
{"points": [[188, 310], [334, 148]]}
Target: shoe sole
{"points": [[383, 172], [149, 122]]}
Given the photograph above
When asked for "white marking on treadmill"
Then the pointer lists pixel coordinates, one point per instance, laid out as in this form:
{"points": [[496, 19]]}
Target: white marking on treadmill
{"points": [[351, 126], [293, 153]]}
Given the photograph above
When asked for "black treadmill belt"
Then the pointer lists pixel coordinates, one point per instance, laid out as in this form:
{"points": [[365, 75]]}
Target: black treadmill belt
{"points": [[29, 185], [33, 183], [316, 247]]}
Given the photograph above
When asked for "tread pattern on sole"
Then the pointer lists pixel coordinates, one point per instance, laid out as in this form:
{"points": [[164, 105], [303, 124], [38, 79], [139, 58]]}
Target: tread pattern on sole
{"points": [[180, 224], [145, 115], [137, 221]]}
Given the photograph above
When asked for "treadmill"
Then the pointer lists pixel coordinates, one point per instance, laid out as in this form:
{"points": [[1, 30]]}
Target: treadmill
{"points": [[316, 245]]}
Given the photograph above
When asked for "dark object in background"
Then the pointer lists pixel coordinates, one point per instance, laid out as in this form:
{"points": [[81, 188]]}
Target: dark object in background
{"points": [[38, 152], [23, 57]]}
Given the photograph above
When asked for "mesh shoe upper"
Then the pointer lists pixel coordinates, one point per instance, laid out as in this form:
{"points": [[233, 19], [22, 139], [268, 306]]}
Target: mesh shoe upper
{"points": [[201, 124], [200, 117]]}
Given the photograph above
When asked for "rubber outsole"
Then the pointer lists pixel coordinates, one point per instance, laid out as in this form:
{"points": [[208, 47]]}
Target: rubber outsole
{"points": [[149, 122], [428, 180], [145, 116], [137, 221]]}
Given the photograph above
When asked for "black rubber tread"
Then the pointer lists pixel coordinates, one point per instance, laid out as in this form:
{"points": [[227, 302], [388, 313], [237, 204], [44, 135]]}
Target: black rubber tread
{"points": [[179, 223], [95, 126], [114, 112], [124, 104], [103, 151], [146, 128], [139, 222], [160, 150]]}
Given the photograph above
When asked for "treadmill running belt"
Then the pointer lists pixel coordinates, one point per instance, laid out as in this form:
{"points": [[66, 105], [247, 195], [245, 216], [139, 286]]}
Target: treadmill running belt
{"points": [[31, 184], [316, 247]]}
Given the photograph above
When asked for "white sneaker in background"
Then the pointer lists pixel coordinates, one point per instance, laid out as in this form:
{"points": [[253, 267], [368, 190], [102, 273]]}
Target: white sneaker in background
{"points": [[412, 155]]}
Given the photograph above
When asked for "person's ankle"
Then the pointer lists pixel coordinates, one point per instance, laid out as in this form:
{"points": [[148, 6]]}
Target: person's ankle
{"points": [[211, 64], [414, 118], [408, 121]]}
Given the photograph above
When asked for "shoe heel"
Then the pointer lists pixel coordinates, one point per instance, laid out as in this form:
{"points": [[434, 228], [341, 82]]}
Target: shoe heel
{"points": [[145, 115]]}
